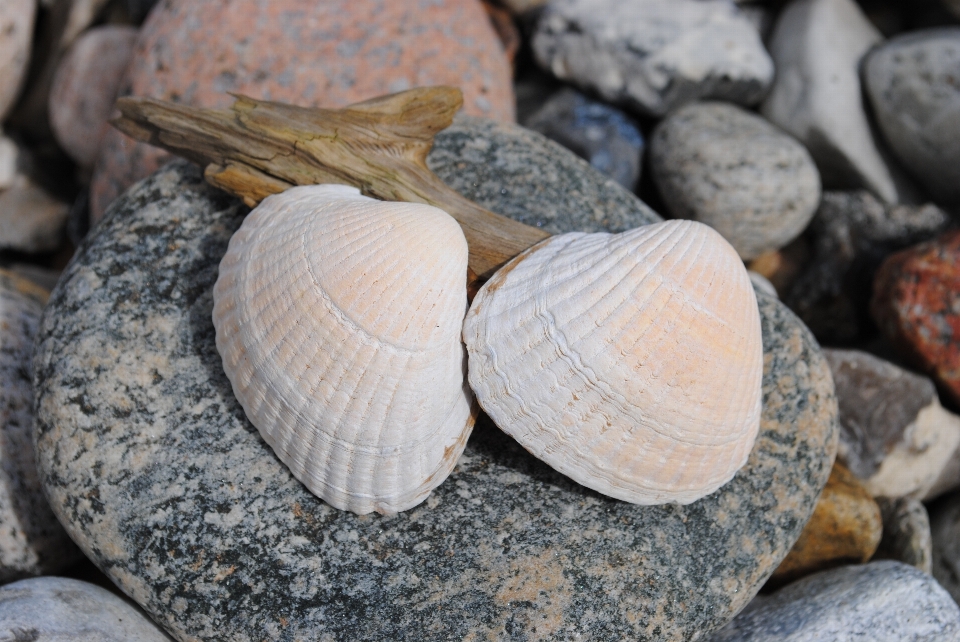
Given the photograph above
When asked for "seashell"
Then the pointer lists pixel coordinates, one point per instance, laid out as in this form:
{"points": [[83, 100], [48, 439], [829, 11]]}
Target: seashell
{"points": [[629, 362], [338, 320]]}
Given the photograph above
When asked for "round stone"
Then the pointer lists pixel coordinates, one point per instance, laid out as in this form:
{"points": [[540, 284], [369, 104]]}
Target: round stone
{"points": [[723, 166], [314, 54], [151, 463]]}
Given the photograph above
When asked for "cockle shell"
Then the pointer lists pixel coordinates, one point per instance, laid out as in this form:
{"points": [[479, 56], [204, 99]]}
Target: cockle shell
{"points": [[629, 362], [338, 320]]}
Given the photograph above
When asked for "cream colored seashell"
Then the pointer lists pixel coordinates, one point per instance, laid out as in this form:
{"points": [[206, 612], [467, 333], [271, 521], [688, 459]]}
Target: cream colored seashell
{"points": [[629, 362], [338, 320]]}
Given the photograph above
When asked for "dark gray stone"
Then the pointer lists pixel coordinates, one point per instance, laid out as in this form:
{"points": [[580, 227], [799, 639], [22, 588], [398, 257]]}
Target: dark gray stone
{"points": [[149, 461], [521, 174], [913, 82], [32, 542], [906, 533], [724, 166], [654, 55], [851, 234], [59, 609], [880, 602], [604, 136], [945, 533]]}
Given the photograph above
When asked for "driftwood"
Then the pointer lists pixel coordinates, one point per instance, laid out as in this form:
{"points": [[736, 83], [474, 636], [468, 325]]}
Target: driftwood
{"points": [[258, 148]]}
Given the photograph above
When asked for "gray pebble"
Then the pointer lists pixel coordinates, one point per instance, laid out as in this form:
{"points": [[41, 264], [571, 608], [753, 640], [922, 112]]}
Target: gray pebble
{"points": [[913, 82], [881, 602], [59, 609], [654, 55], [721, 165], [906, 533], [945, 533]]}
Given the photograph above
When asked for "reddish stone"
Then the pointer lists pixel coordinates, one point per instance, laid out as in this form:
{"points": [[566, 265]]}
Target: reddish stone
{"points": [[329, 54], [85, 88], [916, 303]]}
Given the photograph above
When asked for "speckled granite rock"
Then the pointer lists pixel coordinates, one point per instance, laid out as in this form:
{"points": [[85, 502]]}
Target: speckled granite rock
{"points": [[604, 136], [912, 84], [906, 533], [58, 609], [31, 539], [309, 53], [654, 55], [721, 165], [519, 173], [845, 527], [149, 460], [881, 602]]}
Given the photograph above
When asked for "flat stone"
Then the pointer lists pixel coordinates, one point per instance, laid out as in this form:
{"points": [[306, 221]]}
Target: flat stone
{"points": [[845, 527], [912, 84], [945, 535], [721, 165], [521, 174], [32, 541], [851, 233], [85, 87], [31, 220], [149, 460], [894, 434], [60, 608], [817, 46], [906, 533], [314, 54], [16, 25], [604, 136], [881, 601], [916, 303], [654, 55]]}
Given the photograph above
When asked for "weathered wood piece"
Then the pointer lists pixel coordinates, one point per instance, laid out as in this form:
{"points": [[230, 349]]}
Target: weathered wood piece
{"points": [[257, 148]]}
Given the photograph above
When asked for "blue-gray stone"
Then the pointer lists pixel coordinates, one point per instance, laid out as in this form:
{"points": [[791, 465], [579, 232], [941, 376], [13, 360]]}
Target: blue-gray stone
{"points": [[152, 466], [881, 602]]}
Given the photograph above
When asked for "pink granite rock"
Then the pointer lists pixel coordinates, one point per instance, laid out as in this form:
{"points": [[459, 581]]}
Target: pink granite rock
{"points": [[16, 35], [85, 88], [305, 52]]}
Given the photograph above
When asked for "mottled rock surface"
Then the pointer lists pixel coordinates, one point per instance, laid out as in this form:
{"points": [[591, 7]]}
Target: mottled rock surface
{"points": [[817, 46], [894, 434], [845, 527], [913, 86], [31, 220], [55, 609], [16, 25], [31, 539], [851, 233], [604, 136], [916, 303], [721, 165], [85, 87], [519, 173], [324, 54], [906, 533], [881, 601], [149, 460], [654, 55]]}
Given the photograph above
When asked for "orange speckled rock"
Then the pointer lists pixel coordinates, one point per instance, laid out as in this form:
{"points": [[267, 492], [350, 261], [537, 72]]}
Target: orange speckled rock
{"points": [[916, 303], [845, 527], [324, 54]]}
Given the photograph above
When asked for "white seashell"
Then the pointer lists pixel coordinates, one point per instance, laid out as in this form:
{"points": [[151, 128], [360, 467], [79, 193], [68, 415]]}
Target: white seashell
{"points": [[631, 362], [338, 319]]}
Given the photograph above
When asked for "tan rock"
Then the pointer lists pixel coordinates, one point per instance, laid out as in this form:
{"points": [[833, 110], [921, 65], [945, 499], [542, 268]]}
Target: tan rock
{"points": [[845, 527], [16, 27], [85, 88]]}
